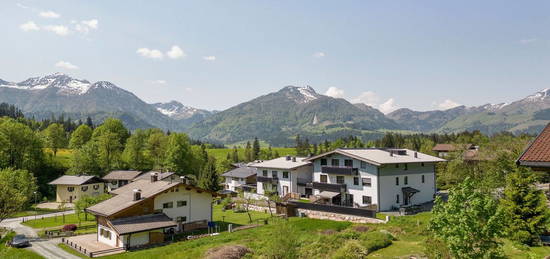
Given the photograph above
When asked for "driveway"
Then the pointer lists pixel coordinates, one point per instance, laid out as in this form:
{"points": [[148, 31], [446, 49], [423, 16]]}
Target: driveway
{"points": [[45, 247]]}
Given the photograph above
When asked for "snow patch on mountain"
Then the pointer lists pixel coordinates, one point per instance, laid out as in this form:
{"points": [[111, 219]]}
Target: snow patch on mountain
{"points": [[539, 96], [65, 84], [300, 94], [177, 110]]}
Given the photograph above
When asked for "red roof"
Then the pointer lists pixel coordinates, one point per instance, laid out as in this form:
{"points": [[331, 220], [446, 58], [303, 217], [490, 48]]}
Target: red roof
{"points": [[538, 152]]}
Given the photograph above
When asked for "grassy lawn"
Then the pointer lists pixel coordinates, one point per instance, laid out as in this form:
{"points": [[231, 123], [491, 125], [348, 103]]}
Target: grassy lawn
{"points": [[63, 156], [70, 250], [240, 218], [33, 211], [57, 221], [15, 253]]}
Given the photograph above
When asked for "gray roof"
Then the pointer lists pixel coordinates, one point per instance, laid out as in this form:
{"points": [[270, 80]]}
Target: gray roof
{"points": [[147, 176], [282, 163], [74, 180], [122, 175], [378, 156], [241, 172], [142, 223]]}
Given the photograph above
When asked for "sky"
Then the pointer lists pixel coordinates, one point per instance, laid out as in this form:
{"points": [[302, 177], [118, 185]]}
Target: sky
{"points": [[422, 55]]}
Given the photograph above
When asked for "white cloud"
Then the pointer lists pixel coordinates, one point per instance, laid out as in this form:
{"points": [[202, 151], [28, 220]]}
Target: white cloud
{"points": [[150, 53], [65, 65], [335, 92], [447, 104], [319, 54], [29, 26], [57, 29], [368, 98], [86, 25], [20, 5], [527, 41], [388, 106], [49, 14], [159, 82], [175, 52], [209, 58]]}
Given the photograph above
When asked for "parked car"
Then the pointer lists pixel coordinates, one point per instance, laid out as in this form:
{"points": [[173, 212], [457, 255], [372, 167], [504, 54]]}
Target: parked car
{"points": [[19, 241]]}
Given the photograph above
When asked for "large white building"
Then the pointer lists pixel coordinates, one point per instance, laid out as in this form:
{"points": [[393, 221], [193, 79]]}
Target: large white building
{"points": [[284, 175], [383, 179]]}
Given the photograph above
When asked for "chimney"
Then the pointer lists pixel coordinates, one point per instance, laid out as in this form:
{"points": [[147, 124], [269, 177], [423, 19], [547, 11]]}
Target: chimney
{"points": [[137, 194], [391, 152], [415, 154], [287, 158], [293, 159], [154, 177]]}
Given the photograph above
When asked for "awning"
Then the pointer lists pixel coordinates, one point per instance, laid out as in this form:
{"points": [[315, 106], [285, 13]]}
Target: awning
{"points": [[409, 190], [142, 223], [328, 195]]}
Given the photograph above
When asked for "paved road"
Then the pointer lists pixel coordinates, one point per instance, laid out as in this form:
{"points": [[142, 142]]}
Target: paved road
{"points": [[45, 247]]}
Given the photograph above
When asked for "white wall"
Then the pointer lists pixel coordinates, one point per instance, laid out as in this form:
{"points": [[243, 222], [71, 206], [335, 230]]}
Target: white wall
{"points": [[232, 182], [291, 182], [389, 190], [101, 238], [198, 204]]}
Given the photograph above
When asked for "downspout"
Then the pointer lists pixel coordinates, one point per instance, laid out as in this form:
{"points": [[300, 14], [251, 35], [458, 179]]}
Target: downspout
{"points": [[378, 188]]}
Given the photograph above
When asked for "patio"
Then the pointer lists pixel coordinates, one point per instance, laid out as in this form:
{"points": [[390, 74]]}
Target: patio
{"points": [[88, 245]]}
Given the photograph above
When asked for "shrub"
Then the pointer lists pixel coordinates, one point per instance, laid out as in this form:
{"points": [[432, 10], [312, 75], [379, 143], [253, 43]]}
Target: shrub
{"points": [[284, 242], [228, 252], [373, 241], [351, 249], [69, 227]]}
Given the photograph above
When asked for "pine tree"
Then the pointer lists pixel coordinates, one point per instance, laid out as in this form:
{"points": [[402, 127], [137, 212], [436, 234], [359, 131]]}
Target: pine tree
{"points": [[248, 152], [526, 206], [89, 122], [235, 155], [208, 178], [256, 149]]}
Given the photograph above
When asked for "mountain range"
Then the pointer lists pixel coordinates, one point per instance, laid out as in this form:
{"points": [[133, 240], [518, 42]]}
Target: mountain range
{"points": [[275, 117]]}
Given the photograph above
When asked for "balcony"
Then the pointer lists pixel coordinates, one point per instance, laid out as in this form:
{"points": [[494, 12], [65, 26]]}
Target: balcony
{"points": [[263, 179], [331, 187], [339, 170]]}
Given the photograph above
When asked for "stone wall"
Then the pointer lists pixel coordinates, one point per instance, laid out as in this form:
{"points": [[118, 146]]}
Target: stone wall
{"points": [[337, 217], [263, 209]]}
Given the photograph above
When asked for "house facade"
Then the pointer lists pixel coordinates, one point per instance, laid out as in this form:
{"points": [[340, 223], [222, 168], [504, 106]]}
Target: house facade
{"points": [[148, 211], [70, 188], [383, 179], [284, 175], [240, 178], [119, 178]]}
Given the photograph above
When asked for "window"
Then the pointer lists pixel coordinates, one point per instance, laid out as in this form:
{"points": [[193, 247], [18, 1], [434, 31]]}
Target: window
{"points": [[335, 162], [406, 180], [396, 165], [422, 178], [182, 203], [96, 186], [181, 219], [348, 163], [264, 172], [285, 175], [114, 182], [422, 164], [70, 189], [274, 174], [363, 165], [323, 178], [323, 161], [122, 182], [84, 188], [406, 166], [367, 200], [396, 180], [397, 199], [367, 182], [340, 179], [168, 205], [355, 180]]}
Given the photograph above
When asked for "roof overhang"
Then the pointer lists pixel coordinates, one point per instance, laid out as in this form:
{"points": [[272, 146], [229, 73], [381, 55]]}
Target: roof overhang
{"points": [[341, 152]]}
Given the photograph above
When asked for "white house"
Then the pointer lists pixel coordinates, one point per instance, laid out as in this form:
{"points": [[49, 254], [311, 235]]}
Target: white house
{"points": [[119, 178], [146, 211], [240, 178], [284, 175], [382, 178]]}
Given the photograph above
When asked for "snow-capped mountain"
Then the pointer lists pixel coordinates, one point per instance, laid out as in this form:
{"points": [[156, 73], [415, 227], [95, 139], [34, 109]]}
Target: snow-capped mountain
{"points": [[301, 94], [178, 111]]}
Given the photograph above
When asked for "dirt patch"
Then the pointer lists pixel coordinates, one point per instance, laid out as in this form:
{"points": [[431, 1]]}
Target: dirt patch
{"points": [[227, 252], [361, 228]]}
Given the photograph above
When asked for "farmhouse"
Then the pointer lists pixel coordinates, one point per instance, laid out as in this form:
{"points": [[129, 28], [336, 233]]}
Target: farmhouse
{"points": [[119, 178], [147, 211], [69, 188], [381, 179], [284, 175]]}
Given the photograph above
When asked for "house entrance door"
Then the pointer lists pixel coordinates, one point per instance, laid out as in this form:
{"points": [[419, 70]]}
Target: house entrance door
{"points": [[285, 190]]}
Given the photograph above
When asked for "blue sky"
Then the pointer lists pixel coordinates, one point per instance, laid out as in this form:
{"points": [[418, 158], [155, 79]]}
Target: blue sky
{"points": [[215, 54]]}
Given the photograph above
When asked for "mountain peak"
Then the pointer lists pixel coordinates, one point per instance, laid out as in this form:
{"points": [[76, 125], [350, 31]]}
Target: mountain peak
{"points": [[300, 94], [177, 110], [539, 96]]}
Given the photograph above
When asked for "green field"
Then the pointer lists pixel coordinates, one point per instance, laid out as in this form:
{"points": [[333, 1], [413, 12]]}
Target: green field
{"points": [[57, 221], [221, 153]]}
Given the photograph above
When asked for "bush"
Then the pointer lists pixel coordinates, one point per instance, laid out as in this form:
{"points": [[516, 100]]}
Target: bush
{"points": [[351, 249], [69, 227], [373, 241]]}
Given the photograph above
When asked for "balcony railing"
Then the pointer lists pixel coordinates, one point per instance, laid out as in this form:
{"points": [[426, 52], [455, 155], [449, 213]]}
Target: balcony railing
{"points": [[263, 179], [339, 170], [331, 187]]}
